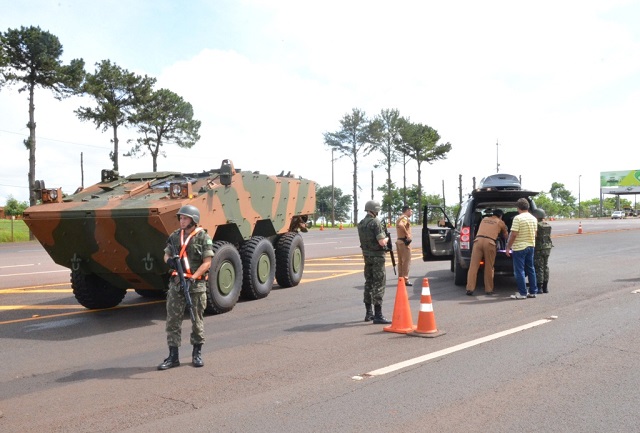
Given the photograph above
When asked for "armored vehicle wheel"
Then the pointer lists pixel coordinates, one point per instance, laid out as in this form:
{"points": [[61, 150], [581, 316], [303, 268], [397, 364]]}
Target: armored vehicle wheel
{"points": [[225, 278], [289, 259], [459, 274], [258, 266], [95, 293], [155, 294]]}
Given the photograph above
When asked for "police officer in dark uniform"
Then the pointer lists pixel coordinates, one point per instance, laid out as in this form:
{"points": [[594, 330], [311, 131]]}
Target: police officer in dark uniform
{"points": [[195, 252], [373, 242], [542, 250]]}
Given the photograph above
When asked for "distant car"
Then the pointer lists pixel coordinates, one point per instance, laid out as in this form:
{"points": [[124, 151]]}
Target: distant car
{"points": [[447, 239], [617, 215]]}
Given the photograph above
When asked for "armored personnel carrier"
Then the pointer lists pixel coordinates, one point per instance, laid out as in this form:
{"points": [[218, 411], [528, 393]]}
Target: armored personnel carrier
{"points": [[111, 235]]}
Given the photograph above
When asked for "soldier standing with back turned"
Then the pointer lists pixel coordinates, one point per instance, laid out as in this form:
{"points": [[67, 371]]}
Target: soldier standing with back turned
{"points": [[195, 252], [542, 251], [403, 228], [373, 242]]}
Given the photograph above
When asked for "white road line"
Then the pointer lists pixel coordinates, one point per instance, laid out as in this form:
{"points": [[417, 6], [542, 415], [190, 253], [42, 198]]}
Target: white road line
{"points": [[443, 352], [18, 266]]}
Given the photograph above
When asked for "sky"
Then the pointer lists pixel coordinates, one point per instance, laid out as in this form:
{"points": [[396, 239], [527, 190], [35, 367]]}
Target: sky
{"points": [[549, 90]]}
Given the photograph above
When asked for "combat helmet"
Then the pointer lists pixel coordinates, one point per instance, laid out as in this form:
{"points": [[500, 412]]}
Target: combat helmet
{"points": [[372, 206], [539, 213], [190, 211]]}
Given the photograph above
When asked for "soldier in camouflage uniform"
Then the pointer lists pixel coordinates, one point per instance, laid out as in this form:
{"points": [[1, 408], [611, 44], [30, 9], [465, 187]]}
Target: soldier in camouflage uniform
{"points": [[373, 242], [195, 253], [542, 251]]}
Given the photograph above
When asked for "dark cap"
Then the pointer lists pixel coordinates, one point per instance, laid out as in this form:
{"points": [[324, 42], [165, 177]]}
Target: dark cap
{"points": [[498, 213]]}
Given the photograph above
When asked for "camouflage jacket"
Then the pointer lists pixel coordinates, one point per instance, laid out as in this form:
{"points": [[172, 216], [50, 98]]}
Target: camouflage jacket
{"points": [[199, 247], [543, 236], [370, 230]]}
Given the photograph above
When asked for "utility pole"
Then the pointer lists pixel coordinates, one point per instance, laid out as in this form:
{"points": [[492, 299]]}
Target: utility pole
{"points": [[497, 163], [333, 197], [444, 201], [371, 184], [81, 171], [579, 202]]}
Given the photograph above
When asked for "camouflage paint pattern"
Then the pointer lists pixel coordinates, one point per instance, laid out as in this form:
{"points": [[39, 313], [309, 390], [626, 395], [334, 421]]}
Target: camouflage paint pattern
{"points": [[375, 279], [176, 304], [117, 229]]}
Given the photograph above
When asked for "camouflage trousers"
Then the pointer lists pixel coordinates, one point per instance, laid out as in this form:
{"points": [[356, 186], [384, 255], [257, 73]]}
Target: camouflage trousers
{"points": [[176, 305], [375, 279], [541, 263]]}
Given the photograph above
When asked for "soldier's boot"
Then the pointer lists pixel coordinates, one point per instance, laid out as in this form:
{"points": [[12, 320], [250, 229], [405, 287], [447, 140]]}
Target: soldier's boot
{"points": [[378, 318], [368, 317], [172, 361], [545, 289], [197, 355]]}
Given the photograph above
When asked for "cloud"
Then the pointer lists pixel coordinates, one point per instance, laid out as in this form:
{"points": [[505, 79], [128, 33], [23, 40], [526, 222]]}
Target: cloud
{"points": [[556, 84]]}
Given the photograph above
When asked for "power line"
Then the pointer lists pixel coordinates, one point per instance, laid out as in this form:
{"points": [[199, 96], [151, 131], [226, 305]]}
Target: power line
{"points": [[14, 186], [53, 139]]}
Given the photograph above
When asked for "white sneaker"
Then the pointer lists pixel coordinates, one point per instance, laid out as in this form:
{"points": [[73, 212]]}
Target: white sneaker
{"points": [[518, 296]]}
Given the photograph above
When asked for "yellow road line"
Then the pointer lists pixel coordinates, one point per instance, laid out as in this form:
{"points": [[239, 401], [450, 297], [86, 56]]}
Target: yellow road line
{"points": [[22, 291], [40, 307], [84, 311]]}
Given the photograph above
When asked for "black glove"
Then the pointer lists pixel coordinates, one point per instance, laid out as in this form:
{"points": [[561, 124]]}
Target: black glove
{"points": [[171, 261]]}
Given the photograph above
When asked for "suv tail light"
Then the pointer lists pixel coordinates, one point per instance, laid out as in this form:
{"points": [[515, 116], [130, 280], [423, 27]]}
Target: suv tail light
{"points": [[465, 238]]}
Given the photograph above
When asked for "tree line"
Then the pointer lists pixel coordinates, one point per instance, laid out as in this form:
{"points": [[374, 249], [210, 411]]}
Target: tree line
{"points": [[395, 139], [31, 57], [333, 205]]}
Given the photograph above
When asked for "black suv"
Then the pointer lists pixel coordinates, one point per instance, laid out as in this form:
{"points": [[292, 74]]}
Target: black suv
{"points": [[442, 240]]}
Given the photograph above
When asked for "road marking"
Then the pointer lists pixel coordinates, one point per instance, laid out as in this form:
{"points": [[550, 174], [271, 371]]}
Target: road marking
{"points": [[320, 243], [443, 352], [23, 291], [82, 311], [39, 307], [18, 266], [33, 273]]}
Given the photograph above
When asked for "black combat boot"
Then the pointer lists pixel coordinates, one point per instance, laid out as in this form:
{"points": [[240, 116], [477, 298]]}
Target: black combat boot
{"points": [[379, 319], [197, 355], [172, 361], [368, 317], [545, 289]]}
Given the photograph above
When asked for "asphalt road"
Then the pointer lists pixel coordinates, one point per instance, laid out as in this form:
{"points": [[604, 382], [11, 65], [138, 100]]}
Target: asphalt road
{"points": [[302, 360]]}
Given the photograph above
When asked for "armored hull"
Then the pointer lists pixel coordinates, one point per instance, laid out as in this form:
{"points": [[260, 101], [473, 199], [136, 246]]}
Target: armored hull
{"points": [[112, 235]]}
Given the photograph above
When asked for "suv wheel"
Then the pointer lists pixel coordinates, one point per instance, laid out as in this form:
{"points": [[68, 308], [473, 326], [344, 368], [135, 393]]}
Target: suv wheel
{"points": [[459, 274]]}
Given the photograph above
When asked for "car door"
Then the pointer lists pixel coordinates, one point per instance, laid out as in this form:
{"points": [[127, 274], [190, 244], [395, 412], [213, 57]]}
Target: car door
{"points": [[437, 233]]}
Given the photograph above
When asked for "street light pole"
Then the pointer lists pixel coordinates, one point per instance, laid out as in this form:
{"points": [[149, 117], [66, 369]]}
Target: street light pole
{"points": [[579, 202]]}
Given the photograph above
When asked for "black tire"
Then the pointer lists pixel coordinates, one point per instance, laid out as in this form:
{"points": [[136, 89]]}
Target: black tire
{"points": [[258, 266], [152, 294], [459, 274], [225, 278], [289, 259], [95, 293], [156, 294]]}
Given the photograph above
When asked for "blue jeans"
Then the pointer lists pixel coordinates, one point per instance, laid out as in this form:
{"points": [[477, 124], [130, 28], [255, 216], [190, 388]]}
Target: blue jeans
{"points": [[523, 265]]}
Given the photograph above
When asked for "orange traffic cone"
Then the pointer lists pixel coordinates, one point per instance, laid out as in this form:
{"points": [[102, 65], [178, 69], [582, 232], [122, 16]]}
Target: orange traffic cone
{"points": [[340, 226], [580, 228], [402, 323], [426, 319], [321, 227]]}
